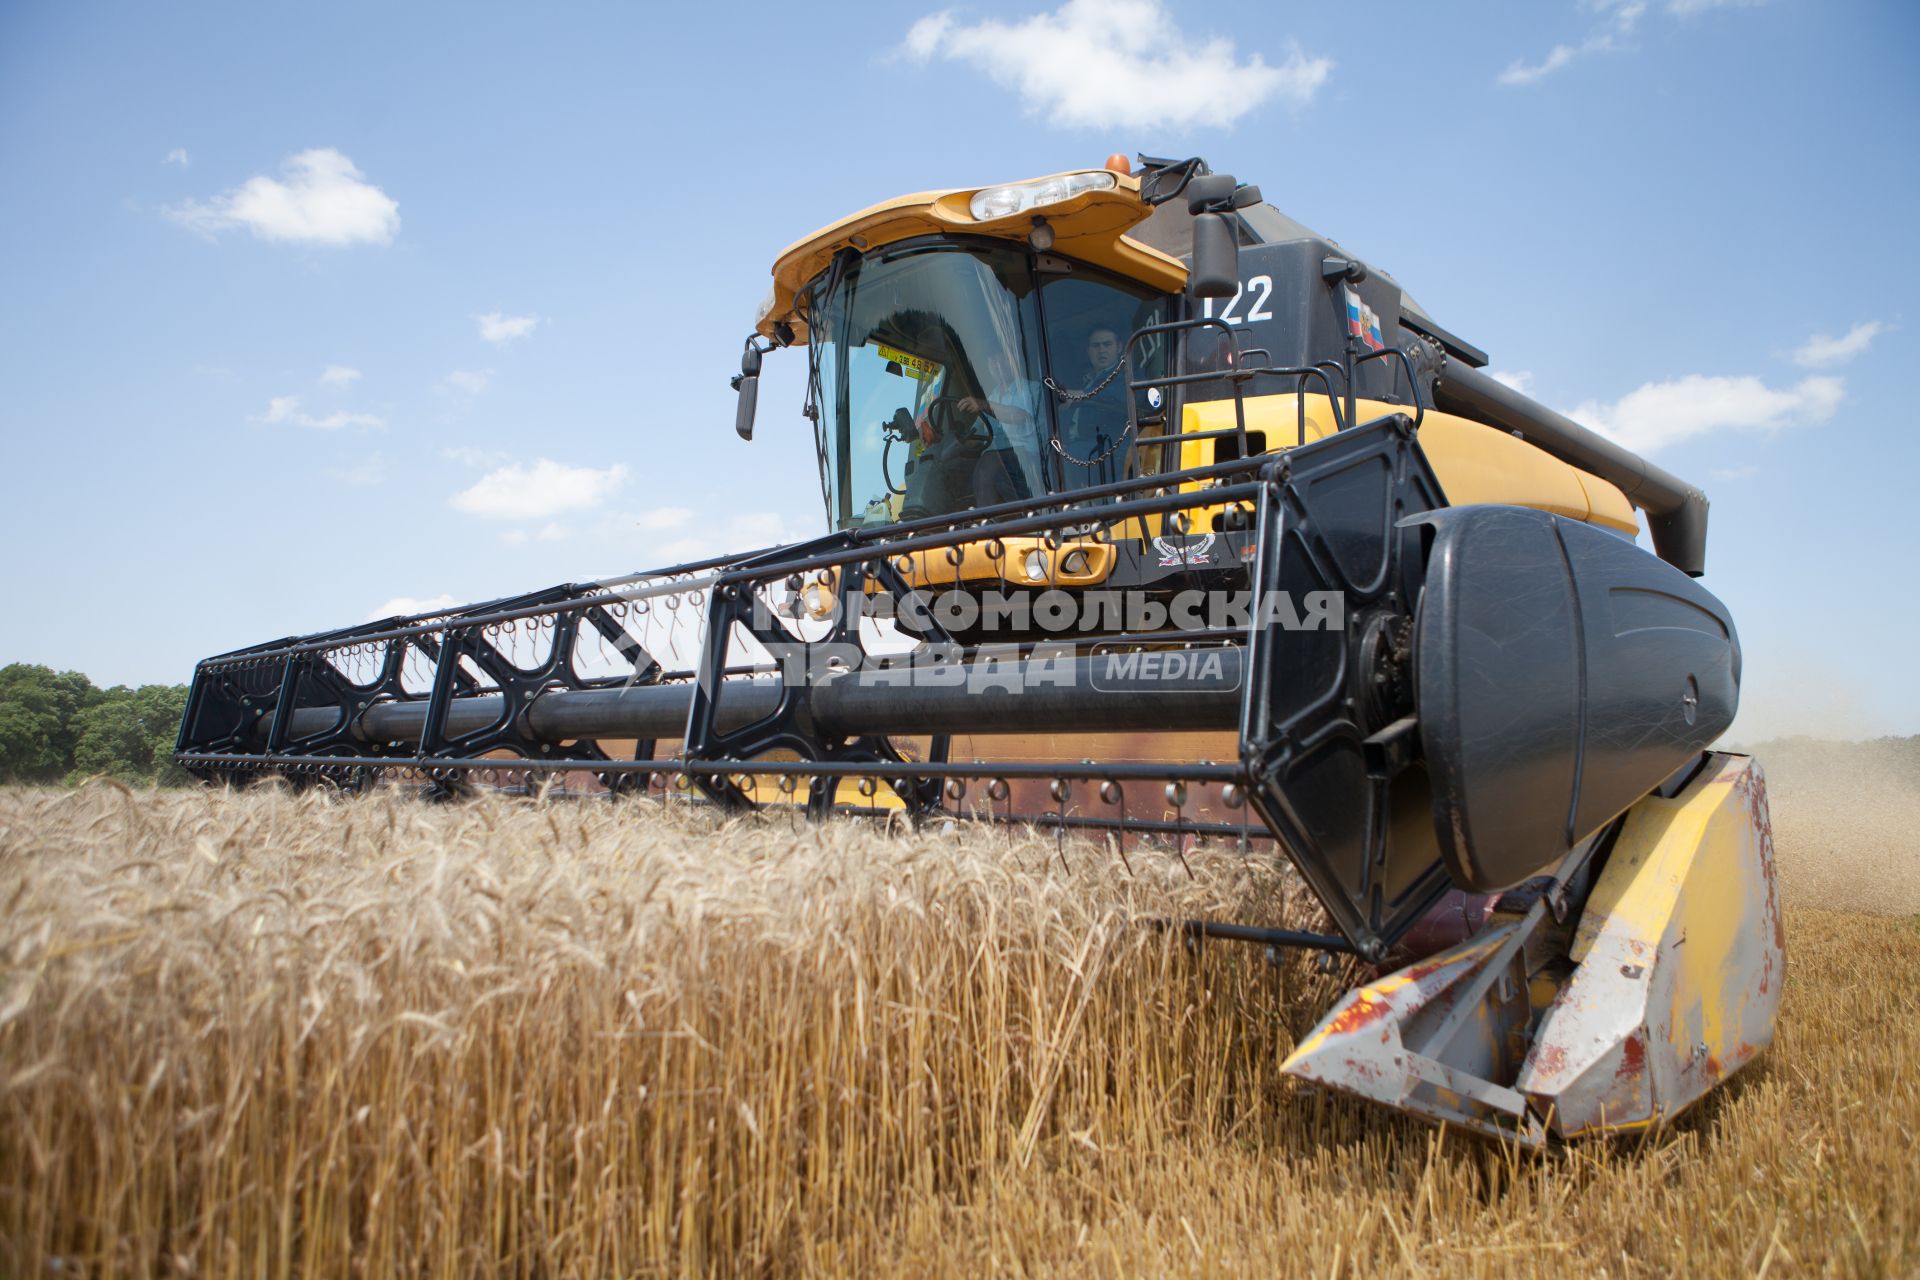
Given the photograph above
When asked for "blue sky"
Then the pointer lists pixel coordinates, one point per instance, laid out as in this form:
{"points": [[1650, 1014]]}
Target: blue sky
{"points": [[305, 311]]}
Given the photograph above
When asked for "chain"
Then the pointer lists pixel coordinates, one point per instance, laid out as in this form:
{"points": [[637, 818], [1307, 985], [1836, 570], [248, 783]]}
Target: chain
{"points": [[1088, 394], [1097, 458]]}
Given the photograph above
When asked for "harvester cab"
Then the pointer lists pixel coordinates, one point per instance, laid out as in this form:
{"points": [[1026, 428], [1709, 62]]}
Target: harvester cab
{"points": [[1152, 513]]}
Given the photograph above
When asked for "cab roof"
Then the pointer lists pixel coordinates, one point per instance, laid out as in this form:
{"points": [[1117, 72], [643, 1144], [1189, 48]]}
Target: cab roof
{"points": [[1089, 227]]}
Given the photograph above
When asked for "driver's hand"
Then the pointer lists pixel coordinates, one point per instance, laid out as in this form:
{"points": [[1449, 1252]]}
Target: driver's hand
{"points": [[972, 404]]}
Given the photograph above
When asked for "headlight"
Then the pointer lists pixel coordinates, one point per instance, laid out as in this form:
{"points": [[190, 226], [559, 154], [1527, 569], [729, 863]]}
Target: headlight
{"points": [[994, 202], [1036, 565], [990, 203], [818, 600]]}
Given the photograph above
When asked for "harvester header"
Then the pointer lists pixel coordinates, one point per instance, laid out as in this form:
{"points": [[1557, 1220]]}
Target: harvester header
{"points": [[1152, 513]]}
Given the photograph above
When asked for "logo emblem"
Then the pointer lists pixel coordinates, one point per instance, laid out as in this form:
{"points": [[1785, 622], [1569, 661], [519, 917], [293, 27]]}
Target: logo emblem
{"points": [[1172, 553], [1362, 323]]}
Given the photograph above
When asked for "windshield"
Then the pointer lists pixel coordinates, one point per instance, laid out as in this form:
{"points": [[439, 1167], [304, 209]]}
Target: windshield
{"points": [[931, 363]]}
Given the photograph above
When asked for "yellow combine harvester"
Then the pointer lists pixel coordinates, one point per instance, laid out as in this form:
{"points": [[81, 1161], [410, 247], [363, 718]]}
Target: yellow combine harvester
{"points": [[1154, 514]]}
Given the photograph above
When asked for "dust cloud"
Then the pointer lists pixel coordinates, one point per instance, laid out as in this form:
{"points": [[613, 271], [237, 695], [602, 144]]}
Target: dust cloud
{"points": [[1846, 822]]}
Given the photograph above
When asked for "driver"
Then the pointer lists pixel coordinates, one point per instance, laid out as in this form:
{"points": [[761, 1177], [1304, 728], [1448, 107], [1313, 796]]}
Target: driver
{"points": [[1009, 409], [941, 476], [1103, 352], [1095, 422]]}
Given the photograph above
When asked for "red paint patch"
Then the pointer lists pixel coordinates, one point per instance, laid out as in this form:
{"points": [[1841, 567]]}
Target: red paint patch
{"points": [[1753, 789], [1550, 1060], [1633, 1057]]}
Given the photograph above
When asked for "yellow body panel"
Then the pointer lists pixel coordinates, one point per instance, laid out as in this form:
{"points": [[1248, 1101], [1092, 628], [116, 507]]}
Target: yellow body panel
{"points": [[1676, 966], [768, 789], [1076, 562], [1090, 563], [1091, 228], [1680, 960], [1475, 463]]}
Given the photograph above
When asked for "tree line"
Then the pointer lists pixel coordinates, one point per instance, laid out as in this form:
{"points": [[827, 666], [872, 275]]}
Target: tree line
{"points": [[57, 726]]}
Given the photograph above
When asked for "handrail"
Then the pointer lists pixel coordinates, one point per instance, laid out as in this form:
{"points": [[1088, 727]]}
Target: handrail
{"points": [[1323, 372]]}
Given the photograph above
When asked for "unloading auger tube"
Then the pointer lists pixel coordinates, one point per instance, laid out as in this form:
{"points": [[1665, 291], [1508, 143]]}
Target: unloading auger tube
{"points": [[1482, 732]]}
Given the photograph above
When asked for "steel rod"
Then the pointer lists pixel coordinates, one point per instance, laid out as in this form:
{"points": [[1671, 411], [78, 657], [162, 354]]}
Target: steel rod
{"points": [[1091, 771], [1009, 697], [1266, 936]]}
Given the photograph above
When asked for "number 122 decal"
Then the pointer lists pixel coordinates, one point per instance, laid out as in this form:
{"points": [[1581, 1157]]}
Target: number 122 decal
{"points": [[1258, 291]]}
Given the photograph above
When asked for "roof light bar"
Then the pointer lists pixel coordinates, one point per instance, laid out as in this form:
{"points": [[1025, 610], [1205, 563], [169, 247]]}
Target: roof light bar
{"points": [[992, 203]]}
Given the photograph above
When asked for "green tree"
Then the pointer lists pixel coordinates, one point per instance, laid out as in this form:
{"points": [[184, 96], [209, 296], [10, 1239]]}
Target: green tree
{"points": [[130, 733], [56, 723], [39, 710]]}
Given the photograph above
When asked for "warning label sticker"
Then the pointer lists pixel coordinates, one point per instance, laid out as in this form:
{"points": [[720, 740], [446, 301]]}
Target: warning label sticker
{"points": [[913, 366]]}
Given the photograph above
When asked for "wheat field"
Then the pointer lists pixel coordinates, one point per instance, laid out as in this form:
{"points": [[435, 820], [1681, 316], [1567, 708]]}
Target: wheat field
{"points": [[269, 1034]]}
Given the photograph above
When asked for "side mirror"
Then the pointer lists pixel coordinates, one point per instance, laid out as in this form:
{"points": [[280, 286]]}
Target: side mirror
{"points": [[1216, 258], [748, 385], [749, 388]]}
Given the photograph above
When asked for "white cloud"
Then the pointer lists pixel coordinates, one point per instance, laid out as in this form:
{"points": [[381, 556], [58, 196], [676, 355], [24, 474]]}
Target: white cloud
{"points": [[335, 421], [1620, 17], [178, 156], [1523, 73], [371, 470], [499, 328], [763, 528], [1663, 413], [467, 382], [286, 409], [1820, 350], [1687, 8], [534, 493], [1103, 64], [339, 375], [1619, 24], [552, 531], [411, 605], [661, 519], [745, 531], [1745, 471], [281, 409], [674, 535], [1519, 379], [323, 200]]}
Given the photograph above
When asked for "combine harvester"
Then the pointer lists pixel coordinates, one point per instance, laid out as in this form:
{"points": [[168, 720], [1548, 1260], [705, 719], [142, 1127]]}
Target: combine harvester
{"points": [[1154, 514]]}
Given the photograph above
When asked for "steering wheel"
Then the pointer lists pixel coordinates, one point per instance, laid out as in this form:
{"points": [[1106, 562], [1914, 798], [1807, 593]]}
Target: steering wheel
{"points": [[948, 421], [945, 420]]}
